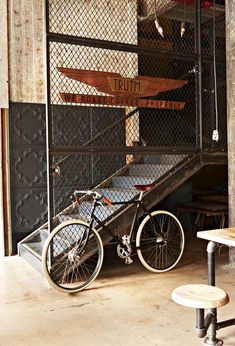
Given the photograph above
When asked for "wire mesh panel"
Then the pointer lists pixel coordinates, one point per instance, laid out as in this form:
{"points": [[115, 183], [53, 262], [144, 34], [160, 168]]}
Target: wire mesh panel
{"points": [[214, 106], [214, 80], [213, 33], [86, 58], [127, 64], [83, 172], [113, 176], [169, 16], [101, 134], [102, 20]]}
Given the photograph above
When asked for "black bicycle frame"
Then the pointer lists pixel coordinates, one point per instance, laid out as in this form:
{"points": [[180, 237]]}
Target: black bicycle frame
{"points": [[139, 205]]}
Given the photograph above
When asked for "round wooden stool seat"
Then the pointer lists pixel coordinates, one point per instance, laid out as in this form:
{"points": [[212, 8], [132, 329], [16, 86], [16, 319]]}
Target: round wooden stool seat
{"points": [[200, 296]]}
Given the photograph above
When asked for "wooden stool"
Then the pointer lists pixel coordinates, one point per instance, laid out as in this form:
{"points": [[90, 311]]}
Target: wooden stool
{"points": [[202, 297]]}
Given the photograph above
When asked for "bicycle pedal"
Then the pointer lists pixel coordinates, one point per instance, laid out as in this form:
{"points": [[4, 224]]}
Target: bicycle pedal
{"points": [[128, 260]]}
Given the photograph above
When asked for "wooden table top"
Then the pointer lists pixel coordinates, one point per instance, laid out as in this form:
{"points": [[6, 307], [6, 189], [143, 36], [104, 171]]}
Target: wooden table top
{"points": [[224, 236], [214, 198], [203, 206]]}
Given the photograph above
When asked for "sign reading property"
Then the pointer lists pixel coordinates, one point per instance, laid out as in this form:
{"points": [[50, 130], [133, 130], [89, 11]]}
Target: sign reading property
{"points": [[121, 101]]}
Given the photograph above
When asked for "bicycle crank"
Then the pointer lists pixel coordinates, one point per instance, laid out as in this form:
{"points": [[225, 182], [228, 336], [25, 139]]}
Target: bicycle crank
{"points": [[124, 251]]}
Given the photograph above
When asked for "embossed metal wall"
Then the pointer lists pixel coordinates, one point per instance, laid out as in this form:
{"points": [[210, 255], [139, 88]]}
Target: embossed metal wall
{"points": [[28, 169]]}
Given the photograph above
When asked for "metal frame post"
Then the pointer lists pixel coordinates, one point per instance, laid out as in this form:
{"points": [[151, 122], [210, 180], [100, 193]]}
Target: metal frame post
{"points": [[198, 74], [48, 121]]}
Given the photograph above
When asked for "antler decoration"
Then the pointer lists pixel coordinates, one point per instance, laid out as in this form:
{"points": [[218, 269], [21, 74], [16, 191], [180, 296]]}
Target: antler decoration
{"points": [[156, 22], [182, 26]]}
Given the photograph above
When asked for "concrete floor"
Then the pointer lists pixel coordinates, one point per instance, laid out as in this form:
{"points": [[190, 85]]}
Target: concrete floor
{"points": [[126, 305]]}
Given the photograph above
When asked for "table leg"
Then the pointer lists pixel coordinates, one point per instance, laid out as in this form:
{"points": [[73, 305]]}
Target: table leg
{"points": [[222, 222], [211, 262], [211, 338]]}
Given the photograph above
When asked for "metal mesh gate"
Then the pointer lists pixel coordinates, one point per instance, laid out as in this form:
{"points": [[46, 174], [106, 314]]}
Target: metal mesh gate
{"points": [[88, 142]]}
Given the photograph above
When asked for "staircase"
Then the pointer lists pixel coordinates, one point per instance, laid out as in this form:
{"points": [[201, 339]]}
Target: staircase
{"points": [[144, 170]]}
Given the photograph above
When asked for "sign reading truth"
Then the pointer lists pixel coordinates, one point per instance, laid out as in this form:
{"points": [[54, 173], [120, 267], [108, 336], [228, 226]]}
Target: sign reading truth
{"points": [[126, 91]]}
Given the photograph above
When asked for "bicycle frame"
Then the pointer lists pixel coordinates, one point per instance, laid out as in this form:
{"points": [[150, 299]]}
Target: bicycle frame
{"points": [[139, 205]]}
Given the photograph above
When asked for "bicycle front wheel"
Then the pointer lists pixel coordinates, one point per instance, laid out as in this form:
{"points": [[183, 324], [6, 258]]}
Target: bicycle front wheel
{"points": [[160, 241], [72, 256]]}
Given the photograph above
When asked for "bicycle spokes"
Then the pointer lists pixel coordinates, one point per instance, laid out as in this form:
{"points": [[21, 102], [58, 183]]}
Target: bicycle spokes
{"points": [[73, 256], [160, 241]]}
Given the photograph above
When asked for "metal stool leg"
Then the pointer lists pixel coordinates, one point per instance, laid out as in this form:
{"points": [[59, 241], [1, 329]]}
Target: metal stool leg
{"points": [[211, 334]]}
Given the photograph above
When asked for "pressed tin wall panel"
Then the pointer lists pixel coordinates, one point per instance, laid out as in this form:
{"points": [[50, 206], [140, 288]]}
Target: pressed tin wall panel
{"points": [[28, 168], [30, 209]]}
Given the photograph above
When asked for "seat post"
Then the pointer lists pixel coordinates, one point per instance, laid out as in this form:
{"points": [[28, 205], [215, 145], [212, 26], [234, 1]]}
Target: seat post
{"points": [[141, 195]]}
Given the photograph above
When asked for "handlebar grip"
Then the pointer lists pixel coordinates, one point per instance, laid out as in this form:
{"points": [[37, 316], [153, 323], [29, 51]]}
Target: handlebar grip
{"points": [[107, 201]]}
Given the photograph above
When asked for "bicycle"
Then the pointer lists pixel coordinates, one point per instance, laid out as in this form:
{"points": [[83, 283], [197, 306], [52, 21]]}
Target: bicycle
{"points": [[73, 253]]}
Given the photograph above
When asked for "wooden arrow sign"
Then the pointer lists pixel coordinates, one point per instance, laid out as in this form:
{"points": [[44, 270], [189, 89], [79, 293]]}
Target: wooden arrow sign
{"points": [[115, 84]]}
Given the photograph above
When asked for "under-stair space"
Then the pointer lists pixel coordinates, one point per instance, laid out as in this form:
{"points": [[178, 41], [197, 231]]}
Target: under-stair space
{"points": [[167, 172]]}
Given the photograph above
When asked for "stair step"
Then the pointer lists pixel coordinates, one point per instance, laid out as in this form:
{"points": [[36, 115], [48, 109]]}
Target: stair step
{"points": [[26, 253], [65, 217], [118, 195], [31, 248], [163, 159], [129, 181], [102, 212], [145, 170], [37, 237]]}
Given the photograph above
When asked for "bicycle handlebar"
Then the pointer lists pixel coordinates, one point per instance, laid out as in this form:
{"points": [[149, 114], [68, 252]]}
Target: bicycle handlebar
{"points": [[94, 194]]}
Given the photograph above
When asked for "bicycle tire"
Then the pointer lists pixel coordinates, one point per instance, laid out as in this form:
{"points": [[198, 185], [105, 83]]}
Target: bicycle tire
{"points": [[69, 264], [160, 241]]}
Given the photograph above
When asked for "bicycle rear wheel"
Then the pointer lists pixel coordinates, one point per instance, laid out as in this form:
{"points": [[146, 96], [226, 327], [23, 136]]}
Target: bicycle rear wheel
{"points": [[160, 241], [72, 256]]}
